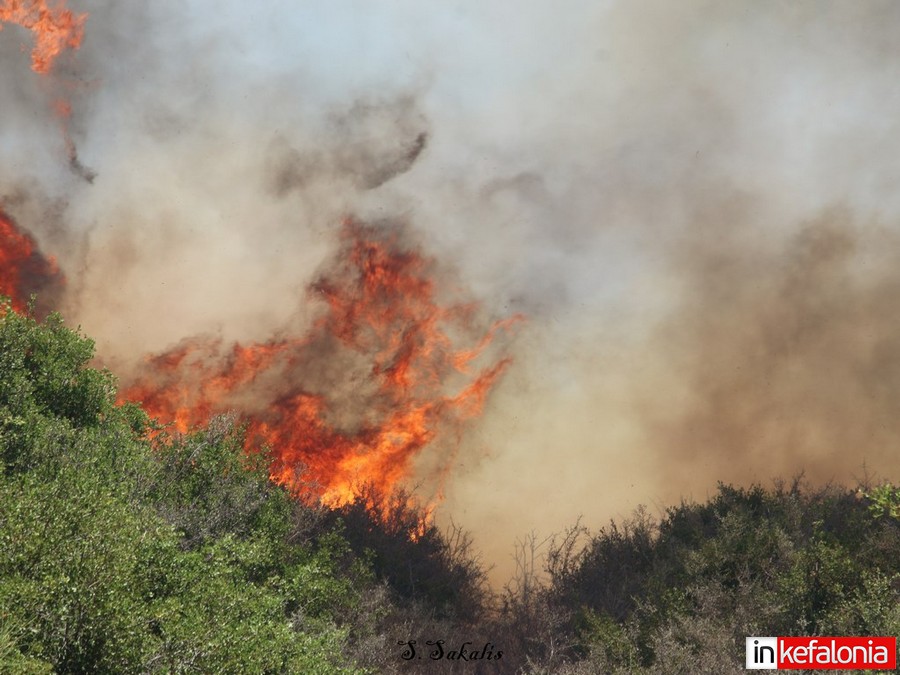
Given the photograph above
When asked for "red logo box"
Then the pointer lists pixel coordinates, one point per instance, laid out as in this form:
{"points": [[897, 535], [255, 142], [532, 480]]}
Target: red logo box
{"points": [[812, 653]]}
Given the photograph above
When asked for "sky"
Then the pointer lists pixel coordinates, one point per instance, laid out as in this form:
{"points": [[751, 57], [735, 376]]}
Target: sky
{"points": [[693, 203]]}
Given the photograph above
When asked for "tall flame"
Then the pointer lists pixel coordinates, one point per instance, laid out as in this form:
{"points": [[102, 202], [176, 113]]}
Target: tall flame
{"points": [[354, 401], [24, 270], [54, 28]]}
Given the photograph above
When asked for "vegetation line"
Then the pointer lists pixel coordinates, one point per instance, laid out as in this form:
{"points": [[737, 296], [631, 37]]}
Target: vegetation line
{"points": [[128, 549]]}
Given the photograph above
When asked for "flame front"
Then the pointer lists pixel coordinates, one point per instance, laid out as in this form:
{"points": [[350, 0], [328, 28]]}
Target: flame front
{"points": [[24, 270], [354, 401], [55, 29]]}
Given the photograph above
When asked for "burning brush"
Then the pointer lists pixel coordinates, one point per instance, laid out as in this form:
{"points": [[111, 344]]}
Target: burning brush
{"points": [[25, 271], [386, 371], [353, 402]]}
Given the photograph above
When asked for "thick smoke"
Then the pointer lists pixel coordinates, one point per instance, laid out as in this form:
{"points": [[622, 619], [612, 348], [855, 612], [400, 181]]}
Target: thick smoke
{"points": [[372, 149], [693, 202], [780, 360]]}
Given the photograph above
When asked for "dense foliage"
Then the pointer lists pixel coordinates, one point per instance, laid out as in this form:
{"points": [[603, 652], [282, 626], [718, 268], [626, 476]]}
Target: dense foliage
{"points": [[124, 549], [648, 596], [121, 555]]}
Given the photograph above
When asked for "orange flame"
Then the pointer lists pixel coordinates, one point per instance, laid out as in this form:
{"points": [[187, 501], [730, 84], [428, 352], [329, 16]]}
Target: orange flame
{"points": [[23, 268], [55, 29], [382, 350]]}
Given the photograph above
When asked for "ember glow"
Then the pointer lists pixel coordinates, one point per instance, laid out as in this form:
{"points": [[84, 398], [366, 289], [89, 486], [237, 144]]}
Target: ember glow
{"points": [[55, 28], [24, 270], [354, 401]]}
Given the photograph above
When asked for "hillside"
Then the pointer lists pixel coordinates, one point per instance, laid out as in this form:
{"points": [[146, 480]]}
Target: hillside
{"points": [[129, 548]]}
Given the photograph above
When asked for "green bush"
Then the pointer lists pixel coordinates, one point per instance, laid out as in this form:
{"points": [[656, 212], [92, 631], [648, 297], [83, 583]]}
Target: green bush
{"points": [[122, 555], [750, 561]]}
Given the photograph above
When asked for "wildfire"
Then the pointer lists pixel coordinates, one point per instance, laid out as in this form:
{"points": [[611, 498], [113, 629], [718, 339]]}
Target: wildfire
{"points": [[24, 270], [354, 401], [55, 28]]}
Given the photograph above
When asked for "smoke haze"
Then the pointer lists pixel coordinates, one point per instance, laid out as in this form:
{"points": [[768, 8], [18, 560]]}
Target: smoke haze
{"points": [[692, 202]]}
